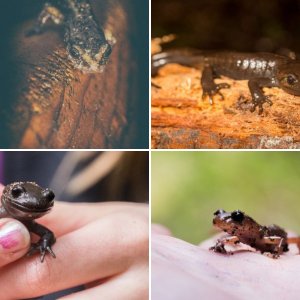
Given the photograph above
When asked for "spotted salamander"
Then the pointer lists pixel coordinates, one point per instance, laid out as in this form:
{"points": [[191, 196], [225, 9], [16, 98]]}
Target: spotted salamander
{"points": [[260, 69], [241, 228]]}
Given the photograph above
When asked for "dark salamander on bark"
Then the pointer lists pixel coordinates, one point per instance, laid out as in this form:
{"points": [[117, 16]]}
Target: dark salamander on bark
{"points": [[88, 46], [260, 69]]}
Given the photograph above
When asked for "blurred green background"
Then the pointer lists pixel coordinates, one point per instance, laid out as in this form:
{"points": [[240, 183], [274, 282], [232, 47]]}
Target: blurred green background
{"points": [[188, 187]]}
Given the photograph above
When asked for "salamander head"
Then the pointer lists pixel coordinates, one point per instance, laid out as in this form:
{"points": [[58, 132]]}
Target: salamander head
{"points": [[235, 223], [289, 77], [27, 200]]}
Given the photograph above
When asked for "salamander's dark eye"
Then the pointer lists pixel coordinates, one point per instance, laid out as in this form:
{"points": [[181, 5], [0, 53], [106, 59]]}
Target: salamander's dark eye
{"points": [[17, 191], [218, 212], [74, 52], [107, 52], [237, 216], [291, 79], [48, 195]]}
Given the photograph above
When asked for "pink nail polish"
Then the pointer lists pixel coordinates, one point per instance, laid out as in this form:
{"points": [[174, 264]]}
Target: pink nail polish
{"points": [[10, 240], [13, 236]]}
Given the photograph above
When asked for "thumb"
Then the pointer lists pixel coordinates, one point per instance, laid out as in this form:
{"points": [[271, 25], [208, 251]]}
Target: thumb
{"points": [[14, 240]]}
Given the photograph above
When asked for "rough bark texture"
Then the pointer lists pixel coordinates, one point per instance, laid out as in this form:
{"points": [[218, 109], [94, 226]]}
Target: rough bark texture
{"points": [[181, 119], [58, 106]]}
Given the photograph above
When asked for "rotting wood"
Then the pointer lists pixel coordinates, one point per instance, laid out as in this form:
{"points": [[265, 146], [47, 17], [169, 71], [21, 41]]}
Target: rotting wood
{"points": [[182, 120]]}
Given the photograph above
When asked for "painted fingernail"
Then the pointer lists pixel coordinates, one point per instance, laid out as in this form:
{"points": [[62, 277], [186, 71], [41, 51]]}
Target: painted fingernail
{"points": [[13, 236]]}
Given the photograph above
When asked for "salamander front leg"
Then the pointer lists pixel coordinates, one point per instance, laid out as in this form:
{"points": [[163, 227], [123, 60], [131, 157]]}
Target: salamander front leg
{"points": [[258, 97], [210, 88], [47, 239], [220, 244], [48, 12]]}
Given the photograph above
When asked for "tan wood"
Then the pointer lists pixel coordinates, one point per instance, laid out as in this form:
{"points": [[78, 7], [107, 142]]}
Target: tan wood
{"points": [[181, 119], [58, 106]]}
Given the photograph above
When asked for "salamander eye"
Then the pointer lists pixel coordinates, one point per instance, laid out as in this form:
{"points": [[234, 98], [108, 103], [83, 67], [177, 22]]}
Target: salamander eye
{"points": [[237, 216], [17, 191], [291, 79], [74, 52], [107, 52], [218, 212]]}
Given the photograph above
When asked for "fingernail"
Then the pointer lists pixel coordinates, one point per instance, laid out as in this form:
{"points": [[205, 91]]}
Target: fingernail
{"points": [[13, 236]]}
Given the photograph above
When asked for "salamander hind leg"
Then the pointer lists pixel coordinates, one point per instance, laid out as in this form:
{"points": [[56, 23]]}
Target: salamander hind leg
{"points": [[276, 244], [210, 88]]}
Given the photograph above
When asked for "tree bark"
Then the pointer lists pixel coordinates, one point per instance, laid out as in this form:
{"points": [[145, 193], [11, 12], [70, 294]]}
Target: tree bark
{"points": [[58, 106]]}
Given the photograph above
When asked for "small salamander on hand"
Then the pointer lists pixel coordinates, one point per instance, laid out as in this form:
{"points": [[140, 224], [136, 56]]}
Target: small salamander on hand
{"points": [[26, 201], [261, 69], [242, 228], [88, 46]]}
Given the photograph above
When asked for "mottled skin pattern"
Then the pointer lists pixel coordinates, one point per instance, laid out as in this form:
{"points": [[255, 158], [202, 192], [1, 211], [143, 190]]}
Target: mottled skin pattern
{"points": [[261, 69], [26, 201], [242, 228], [87, 45]]}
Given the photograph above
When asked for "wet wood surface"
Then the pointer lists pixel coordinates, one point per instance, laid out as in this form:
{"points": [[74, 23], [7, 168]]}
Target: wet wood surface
{"points": [[182, 120], [59, 106]]}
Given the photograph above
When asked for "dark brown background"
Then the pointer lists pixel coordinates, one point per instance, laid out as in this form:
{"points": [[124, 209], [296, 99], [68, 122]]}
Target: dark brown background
{"points": [[241, 25]]}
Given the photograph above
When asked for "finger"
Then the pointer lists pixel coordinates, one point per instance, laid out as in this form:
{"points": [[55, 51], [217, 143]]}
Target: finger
{"points": [[14, 240], [99, 250], [67, 217], [160, 229], [132, 285]]}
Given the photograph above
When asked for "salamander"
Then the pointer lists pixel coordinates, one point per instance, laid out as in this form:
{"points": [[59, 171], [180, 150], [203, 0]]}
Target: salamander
{"points": [[27, 201], [241, 228], [260, 69], [88, 46]]}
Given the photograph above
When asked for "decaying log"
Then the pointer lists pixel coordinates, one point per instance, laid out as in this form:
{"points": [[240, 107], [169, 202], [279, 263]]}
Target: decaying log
{"points": [[181, 119], [58, 106]]}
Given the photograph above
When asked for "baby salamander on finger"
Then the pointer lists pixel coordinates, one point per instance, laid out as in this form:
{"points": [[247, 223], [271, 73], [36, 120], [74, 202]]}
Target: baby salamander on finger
{"points": [[241, 228]]}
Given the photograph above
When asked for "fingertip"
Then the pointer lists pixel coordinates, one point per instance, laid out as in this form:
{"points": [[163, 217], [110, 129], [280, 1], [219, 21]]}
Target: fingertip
{"points": [[14, 240], [160, 229]]}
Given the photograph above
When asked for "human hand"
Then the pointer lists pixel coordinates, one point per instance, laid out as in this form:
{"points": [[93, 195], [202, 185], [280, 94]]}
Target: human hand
{"points": [[103, 246], [181, 270]]}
